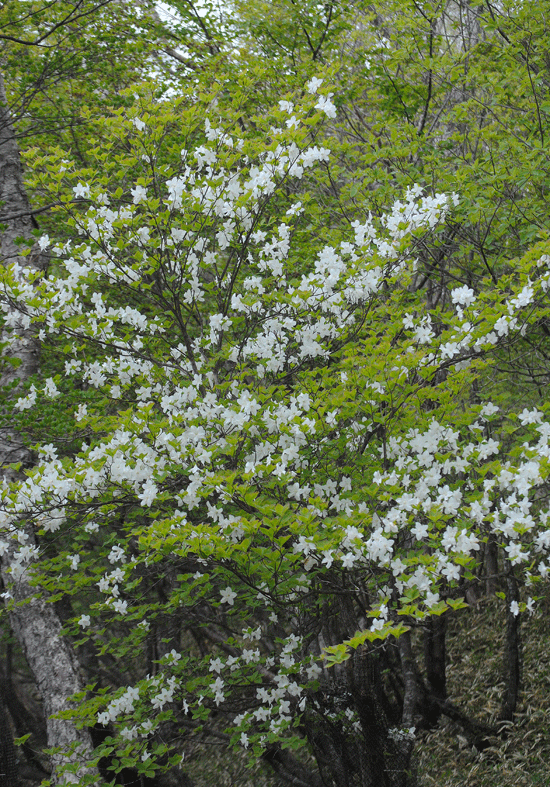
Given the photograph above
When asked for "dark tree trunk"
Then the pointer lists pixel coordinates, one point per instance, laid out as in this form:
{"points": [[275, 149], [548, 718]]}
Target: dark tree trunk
{"points": [[289, 769], [26, 716], [491, 565], [435, 664], [418, 699], [350, 733], [9, 774], [512, 650]]}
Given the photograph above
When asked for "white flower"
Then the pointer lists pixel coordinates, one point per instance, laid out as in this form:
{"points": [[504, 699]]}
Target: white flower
{"points": [[26, 402], [348, 560], [314, 84], [286, 106], [148, 493], [216, 665], [420, 530], [82, 190], [262, 713], [449, 349], [84, 621], [514, 553], [313, 671], [296, 209], [463, 296], [294, 689], [530, 417], [514, 608], [103, 585], [44, 242], [228, 596], [326, 105], [139, 193], [524, 298], [116, 554], [50, 389], [431, 599]]}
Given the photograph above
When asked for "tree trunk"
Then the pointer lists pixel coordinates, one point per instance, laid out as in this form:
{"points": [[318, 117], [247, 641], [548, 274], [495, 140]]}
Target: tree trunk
{"points": [[512, 650], [435, 664], [34, 622], [491, 565], [9, 776]]}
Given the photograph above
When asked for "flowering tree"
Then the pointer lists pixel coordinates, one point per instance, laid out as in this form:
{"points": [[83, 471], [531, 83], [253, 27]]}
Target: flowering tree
{"points": [[57, 56], [262, 461]]}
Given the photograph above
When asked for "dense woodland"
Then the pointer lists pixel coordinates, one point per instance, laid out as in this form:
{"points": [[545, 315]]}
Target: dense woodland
{"points": [[274, 430]]}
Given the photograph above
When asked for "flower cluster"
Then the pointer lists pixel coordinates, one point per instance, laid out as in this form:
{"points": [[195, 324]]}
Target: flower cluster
{"points": [[262, 409]]}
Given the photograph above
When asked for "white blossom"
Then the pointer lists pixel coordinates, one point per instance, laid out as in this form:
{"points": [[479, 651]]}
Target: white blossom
{"points": [[314, 84], [463, 296], [139, 194], [82, 190], [228, 596], [326, 105]]}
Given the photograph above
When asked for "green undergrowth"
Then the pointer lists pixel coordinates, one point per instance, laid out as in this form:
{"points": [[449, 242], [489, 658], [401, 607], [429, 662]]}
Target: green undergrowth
{"points": [[519, 756]]}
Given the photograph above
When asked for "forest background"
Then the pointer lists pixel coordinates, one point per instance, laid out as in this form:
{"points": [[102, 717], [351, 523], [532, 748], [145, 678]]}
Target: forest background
{"points": [[274, 417]]}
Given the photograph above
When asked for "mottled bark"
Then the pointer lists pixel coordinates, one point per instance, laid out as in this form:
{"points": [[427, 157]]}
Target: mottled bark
{"points": [[34, 622]]}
